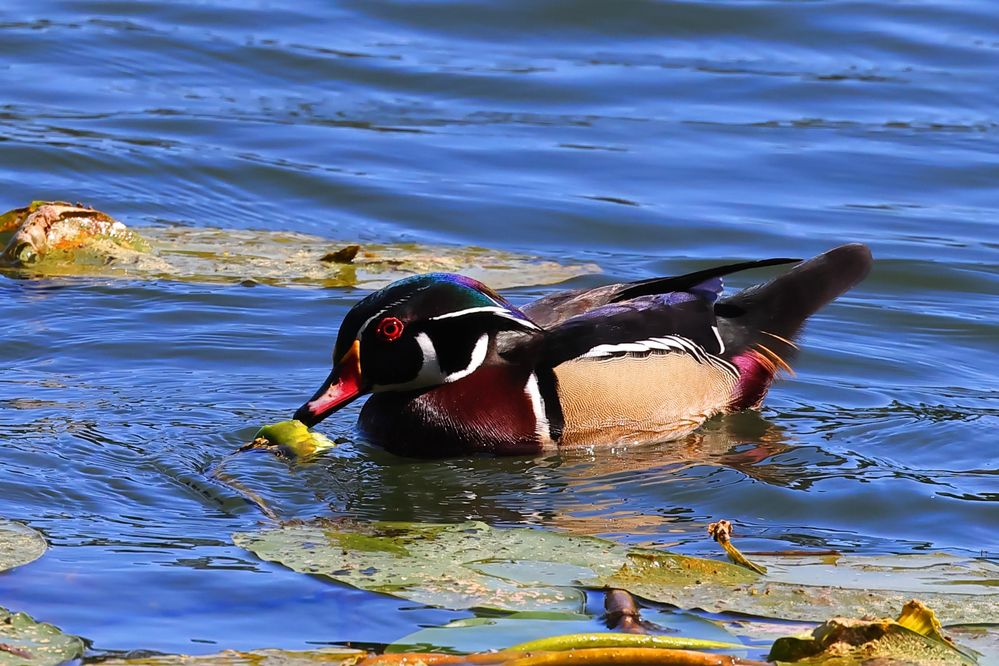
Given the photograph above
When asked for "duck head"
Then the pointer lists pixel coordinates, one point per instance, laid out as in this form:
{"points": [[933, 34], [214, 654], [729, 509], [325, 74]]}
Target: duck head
{"points": [[413, 335]]}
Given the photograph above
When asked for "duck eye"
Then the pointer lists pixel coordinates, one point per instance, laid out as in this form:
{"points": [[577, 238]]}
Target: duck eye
{"points": [[389, 329]]}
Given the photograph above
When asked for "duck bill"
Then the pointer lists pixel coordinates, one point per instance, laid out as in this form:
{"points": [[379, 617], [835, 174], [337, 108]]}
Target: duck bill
{"points": [[340, 388]]}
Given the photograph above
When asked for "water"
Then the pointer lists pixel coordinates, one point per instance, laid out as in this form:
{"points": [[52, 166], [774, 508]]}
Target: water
{"points": [[649, 138]]}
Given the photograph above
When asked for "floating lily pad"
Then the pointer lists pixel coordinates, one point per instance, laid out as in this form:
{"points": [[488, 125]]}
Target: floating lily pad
{"points": [[463, 565], [330, 656], [25, 642], [473, 565], [812, 589], [19, 545], [56, 238], [290, 439]]}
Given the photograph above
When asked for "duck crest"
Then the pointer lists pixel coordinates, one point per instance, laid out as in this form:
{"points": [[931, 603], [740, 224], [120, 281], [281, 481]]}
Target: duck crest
{"points": [[497, 409]]}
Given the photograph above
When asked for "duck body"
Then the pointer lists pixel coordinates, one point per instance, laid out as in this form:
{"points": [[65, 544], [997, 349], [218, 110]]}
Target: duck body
{"points": [[454, 368]]}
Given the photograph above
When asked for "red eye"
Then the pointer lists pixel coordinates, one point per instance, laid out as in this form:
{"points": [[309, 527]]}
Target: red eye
{"points": [[389, 329]]}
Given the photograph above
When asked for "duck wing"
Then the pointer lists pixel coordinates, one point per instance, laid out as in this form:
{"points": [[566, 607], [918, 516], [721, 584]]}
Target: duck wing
{"points": [[556, 308]]}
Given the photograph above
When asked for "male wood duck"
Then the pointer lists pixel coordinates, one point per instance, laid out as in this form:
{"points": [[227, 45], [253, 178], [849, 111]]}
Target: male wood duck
{"points": [[452, 367]]}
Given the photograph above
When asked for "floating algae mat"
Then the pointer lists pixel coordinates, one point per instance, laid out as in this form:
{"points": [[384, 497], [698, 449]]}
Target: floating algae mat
{"points": [[60, 239]]}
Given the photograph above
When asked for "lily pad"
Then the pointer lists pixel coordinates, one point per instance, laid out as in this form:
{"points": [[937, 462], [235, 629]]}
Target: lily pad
{"points": [[470, 565], [464, 565], [56, 238], [19, 545], [330, 656], [290, 439], [962, 590], [25, 642]]}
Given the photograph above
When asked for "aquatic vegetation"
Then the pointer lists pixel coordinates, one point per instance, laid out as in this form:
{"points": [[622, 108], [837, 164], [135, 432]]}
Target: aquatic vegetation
{"points": [[60, 239], [472, 565], [19, 545], [59, 232], [25, 642], [811, 589], [289, 439], [915, 637]]}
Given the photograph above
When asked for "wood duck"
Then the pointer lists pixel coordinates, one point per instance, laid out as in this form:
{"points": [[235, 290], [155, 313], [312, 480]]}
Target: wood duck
{"points": [[452, 367]]}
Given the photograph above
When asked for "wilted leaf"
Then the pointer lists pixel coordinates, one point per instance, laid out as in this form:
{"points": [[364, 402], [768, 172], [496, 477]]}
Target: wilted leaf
{"points": [[24, 642], [331, 656], [913, 638], [19, 545], [462, 565]]}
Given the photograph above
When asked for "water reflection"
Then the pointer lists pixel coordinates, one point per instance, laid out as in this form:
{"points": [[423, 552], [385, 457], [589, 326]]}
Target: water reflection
{"points": [[574, 490]]}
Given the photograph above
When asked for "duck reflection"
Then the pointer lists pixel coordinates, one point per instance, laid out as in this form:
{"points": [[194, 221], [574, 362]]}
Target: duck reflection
{"points": [[635, 491]]}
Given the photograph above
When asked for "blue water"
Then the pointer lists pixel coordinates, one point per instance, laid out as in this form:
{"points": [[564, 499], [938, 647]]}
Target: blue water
{"points": [[646, 137]]}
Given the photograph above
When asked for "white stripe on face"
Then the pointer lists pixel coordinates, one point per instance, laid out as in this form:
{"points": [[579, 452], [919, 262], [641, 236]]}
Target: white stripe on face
{"points": [[477, 358], [493, 309]]}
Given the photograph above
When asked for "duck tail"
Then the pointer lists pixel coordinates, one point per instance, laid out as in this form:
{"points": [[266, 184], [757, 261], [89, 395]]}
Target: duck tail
{"points": [[759, 324]]}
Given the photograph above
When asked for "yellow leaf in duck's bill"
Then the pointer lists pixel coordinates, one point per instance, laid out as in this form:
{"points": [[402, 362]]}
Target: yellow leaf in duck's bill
{"points": [[290, 439]]}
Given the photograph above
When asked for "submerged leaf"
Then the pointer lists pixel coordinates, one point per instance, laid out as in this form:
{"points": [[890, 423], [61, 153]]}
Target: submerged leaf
{"points": [[19, 545], [25, 642]]}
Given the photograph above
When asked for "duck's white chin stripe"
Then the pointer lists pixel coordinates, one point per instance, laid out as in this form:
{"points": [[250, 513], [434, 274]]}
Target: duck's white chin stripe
{"points": [[541, 425], [477, 358]]}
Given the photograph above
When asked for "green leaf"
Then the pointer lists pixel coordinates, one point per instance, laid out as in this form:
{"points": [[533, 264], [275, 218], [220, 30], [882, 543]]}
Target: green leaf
{"points": [[290, 439], [19, 545], [24, 642]]}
